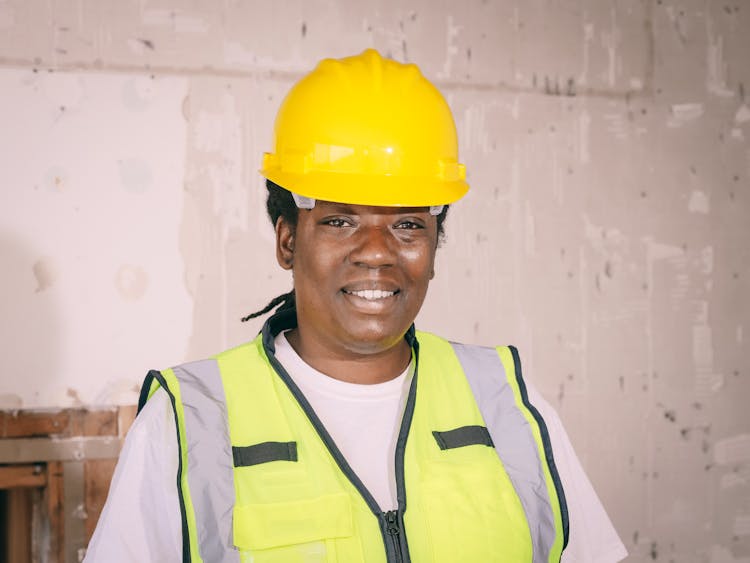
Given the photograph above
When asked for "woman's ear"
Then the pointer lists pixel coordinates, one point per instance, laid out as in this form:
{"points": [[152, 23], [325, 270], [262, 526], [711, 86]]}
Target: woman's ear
{"points": [[284, 243]]}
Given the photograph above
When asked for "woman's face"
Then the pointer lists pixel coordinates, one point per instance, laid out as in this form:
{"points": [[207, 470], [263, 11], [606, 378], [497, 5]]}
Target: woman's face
{"points": [[360, 273]]}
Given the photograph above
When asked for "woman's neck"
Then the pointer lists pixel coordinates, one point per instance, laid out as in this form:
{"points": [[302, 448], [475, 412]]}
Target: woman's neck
{"points": [[352, 366]]}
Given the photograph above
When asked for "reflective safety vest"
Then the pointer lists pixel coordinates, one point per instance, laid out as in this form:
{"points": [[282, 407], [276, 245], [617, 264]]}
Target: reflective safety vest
{"points": [[260, 480]]}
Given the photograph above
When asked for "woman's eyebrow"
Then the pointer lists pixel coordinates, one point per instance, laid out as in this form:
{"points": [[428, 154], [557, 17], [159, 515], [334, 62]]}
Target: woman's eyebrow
{"points": [[351, 209], [335, 207]]}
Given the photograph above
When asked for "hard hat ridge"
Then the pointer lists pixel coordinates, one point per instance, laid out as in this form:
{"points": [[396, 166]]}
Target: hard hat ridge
{"points": [[367, 130]]}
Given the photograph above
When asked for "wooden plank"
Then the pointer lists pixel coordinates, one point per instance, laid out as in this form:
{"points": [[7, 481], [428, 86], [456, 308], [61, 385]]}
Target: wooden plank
{"points": [[125, 418], [39, 527], [27, 424], [100, 422], [66, 422], [97, 478], [31, 450], [78, 438], [19, 526], [75, 517], [55, 504], [27, 475]]}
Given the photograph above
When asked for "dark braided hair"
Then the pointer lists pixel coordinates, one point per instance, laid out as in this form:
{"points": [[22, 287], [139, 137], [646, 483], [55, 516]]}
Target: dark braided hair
{"points": [[285, 299], [281, 204]]}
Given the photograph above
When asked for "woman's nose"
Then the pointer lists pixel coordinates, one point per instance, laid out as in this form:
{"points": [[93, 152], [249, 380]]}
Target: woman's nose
{"points": [[374, 248]]}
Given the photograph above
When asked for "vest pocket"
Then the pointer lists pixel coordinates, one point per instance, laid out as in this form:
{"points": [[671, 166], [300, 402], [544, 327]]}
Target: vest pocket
{"points": [[474, 514], [293, 531]]}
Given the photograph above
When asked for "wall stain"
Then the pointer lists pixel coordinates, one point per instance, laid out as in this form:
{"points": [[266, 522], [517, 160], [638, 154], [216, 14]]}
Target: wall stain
{"points": [[75, 398], [185, 108], [654, 551], [45, 273], [136, 175], [131, 282], [10, 401], [147, 43], [553, 86]]}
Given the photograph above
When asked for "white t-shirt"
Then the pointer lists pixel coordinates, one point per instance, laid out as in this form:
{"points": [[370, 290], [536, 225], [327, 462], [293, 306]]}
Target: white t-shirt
{"points": [[350, 411], [141, 518]]}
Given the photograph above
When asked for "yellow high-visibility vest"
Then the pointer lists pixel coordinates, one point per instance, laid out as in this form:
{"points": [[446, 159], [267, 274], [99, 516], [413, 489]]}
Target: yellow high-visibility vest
{"points": [[261, 481]]}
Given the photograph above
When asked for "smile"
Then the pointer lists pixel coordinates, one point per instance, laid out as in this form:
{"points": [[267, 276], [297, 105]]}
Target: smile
{"points": [[371, 294]]}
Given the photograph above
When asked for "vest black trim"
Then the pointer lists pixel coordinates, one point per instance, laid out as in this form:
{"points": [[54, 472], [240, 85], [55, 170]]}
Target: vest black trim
{"points": [[547, 445], [396, 545], [147, 382]]}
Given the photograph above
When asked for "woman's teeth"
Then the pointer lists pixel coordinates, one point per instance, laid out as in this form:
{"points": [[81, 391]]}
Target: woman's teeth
{"points": [[371, 294]]}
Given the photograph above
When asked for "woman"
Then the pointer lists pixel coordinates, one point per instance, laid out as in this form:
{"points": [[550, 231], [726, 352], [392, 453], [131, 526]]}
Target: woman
{"points": [[341, 433]]}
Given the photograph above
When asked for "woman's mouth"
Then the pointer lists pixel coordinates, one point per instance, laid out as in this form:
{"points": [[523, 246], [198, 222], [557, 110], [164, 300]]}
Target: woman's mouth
{"points": [[370, 294]]}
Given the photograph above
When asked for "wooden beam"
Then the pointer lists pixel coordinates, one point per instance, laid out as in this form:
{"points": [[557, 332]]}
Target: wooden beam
{"points": [[19, 526], [100, 422], [30, 450], [125, 417], [55, 509], [18, 424], [97, 478], [27, 475], [65, 460], [75, 511], [63, 423]]}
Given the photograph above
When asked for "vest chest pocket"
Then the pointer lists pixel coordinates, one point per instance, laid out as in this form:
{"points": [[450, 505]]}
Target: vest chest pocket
{"points": [[471, 509], [293, 532]]}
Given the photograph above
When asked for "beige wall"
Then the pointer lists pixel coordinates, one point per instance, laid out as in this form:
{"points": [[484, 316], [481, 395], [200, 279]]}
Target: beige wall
{"points": [[607, 232]]}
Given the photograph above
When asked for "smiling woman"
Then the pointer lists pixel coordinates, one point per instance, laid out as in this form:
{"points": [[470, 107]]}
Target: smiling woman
{"points": [[360, 277], [341, 433]]}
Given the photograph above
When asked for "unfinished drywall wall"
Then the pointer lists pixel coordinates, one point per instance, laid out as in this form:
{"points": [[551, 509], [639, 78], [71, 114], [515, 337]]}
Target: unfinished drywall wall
{"points": [[93, 168], [606, 233]]}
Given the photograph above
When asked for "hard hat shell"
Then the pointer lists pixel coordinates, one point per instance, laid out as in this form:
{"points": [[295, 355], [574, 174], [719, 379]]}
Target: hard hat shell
{"points": [[366, 130]]}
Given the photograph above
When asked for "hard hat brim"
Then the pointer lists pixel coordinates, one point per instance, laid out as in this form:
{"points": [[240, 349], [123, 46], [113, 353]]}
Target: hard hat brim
{"points": [[372, 189]]}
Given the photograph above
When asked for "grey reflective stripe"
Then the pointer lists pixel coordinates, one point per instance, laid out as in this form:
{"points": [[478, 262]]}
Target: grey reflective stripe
{"points": [[464, 436], [514, 441], [245, 456], [210, 471]]}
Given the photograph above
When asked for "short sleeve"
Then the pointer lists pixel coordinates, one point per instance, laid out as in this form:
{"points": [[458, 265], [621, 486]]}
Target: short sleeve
{"points": [[592, 537], [141, 517]]}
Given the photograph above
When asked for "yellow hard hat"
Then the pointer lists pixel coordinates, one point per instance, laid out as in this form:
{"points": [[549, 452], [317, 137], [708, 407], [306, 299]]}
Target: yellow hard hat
{"points": [[366, 130]]}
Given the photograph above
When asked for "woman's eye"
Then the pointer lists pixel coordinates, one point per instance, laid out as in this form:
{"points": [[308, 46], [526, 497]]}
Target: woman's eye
{"points": [[336, 222], [409, 225]]}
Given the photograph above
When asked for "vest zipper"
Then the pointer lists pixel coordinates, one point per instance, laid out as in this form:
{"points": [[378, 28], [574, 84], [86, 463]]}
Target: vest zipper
{"points": [[392, 523], [396, 546]]}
